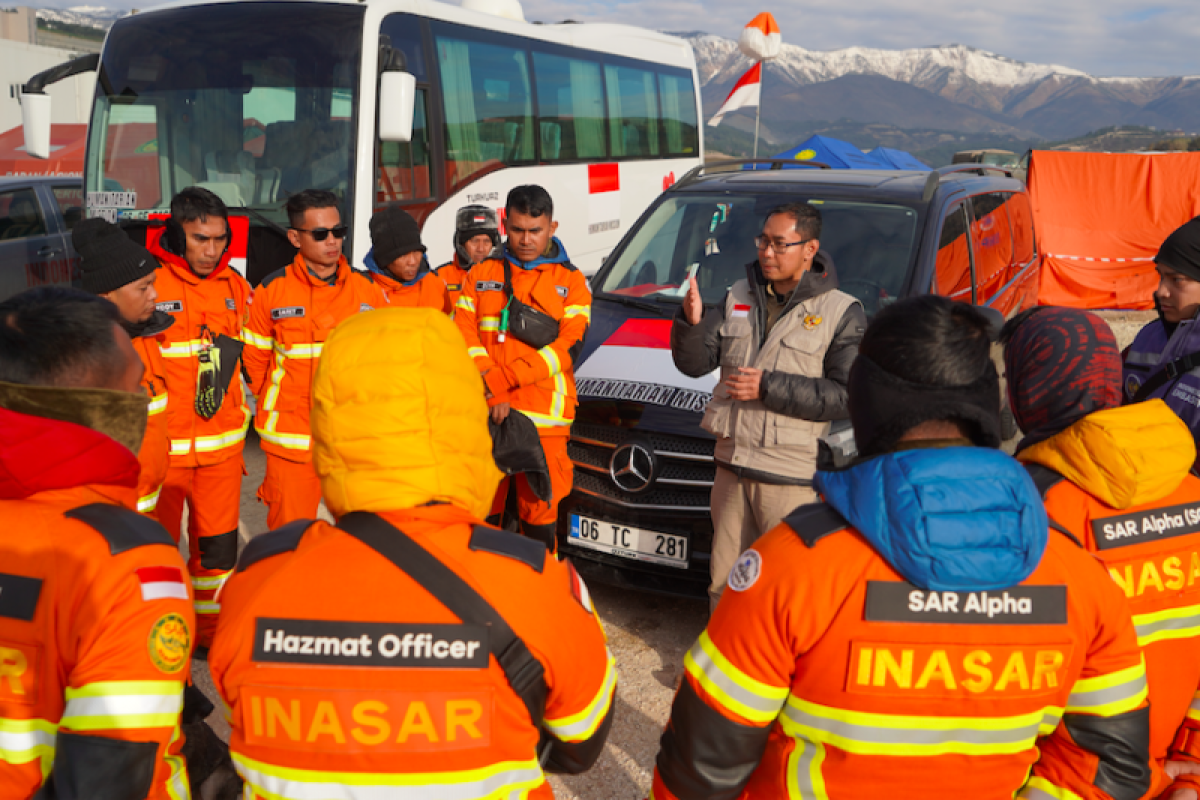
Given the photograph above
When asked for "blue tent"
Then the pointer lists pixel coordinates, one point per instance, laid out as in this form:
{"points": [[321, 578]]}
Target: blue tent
{"points": [[897, 159], [834, 152]]}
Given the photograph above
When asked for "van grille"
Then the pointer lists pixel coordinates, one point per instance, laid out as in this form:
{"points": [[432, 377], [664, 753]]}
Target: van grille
{"points": [[685, 472]]}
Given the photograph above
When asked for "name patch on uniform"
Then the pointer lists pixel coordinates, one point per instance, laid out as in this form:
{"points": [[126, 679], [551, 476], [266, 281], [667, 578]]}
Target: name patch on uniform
{"points": [[454, 287], [287, 312], [889, 601], [170, 306], [563, 291], [230, 304], [370, 644], [363, 307], [1146, 526], [489, 286], [19, 596]]}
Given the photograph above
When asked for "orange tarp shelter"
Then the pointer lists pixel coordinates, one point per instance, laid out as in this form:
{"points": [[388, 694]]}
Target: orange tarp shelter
{"points": [[1100, 218], [67, 145]]}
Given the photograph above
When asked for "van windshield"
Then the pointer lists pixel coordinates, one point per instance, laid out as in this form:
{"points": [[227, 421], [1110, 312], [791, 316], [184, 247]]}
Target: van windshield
{"points": [[872, 245]]}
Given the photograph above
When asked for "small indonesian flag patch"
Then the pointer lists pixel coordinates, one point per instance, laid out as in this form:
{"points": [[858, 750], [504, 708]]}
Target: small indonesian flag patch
{"points": [[740, 310], [159, 583]]}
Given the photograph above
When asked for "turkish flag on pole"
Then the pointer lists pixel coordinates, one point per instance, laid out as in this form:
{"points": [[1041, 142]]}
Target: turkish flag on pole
{"points": [[745, 94]]}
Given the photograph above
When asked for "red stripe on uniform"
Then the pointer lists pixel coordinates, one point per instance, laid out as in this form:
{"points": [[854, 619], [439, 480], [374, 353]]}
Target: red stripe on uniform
{"points": [[159, 574], [652, 333], [603, 178]]}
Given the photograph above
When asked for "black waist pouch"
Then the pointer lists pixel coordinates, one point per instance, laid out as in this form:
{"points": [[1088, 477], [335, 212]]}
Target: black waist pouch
{"points": [[526, 324]]}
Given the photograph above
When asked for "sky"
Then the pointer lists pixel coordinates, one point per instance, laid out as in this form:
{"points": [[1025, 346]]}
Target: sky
{"points": [[1101, 37]]}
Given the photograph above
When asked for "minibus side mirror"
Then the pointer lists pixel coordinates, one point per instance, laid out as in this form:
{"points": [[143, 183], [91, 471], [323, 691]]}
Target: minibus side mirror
{"points": [[397, 100]]}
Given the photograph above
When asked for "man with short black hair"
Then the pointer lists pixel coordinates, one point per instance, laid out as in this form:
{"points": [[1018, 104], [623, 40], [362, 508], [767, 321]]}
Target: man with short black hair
{"points": [[524, 315], [294, 311], [208, 416], [122, 271], [96, 621], [784, 340], [922, 633]]}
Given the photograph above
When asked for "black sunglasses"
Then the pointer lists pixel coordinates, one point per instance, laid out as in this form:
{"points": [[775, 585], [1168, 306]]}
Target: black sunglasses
{"points": [[319, 234]]}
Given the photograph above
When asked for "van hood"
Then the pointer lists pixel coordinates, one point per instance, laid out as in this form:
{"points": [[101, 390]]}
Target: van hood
{"points": [[947, 519]]}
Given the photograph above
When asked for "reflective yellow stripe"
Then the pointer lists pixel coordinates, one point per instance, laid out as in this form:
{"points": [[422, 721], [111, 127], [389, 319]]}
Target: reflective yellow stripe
{"points": [[504, 780], [25, 740], [465, 303], [1108, 695], [545, 420], [477, 352], [804, 778], [309, 350], [207, 607], [157, 405], [578, 727], [489, 323], [1193, 711], [178, 786], [277, 374], [147, 503], [114, 705], [745, 696], [899, 735], [217, 441], [183, 349], [553, 363], [1041, 789], [210, 582], [1172, 623], [578, 311], [256, 340], [291, 441]]}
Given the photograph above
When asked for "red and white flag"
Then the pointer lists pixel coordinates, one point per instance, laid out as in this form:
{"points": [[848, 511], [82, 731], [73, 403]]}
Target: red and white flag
{"points": [[745, 94], [159, 583]]}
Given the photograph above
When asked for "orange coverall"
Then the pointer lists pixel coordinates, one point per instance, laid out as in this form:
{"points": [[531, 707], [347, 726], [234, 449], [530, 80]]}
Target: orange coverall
{"points": [[152, 457], [538, 383], [95, 625], [1119, 480], [206, 468], [292, 314], [428, 292], [454, 276]]}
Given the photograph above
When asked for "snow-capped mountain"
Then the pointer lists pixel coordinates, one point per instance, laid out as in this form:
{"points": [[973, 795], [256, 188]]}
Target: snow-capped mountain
{"points": [[949, 87], [88, 16]]}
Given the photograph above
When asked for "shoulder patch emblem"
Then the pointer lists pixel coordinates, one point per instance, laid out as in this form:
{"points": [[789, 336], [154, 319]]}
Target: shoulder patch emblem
{"points": [[811, 321], [1132, 384], [170, 643], [287, 312], [745, 571], [169, 306], [159, 583]]}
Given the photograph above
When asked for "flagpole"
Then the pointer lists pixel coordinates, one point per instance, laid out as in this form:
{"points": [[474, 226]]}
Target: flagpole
{"points": [[758, 110]]}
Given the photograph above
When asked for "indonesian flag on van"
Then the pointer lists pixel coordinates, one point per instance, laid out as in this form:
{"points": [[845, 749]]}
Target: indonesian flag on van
{"points": [[745, 94]]}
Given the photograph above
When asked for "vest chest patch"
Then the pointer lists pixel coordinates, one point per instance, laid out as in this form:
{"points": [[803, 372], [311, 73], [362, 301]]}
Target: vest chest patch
{"points": [[230, 304], [287, 312], [489, 286]]}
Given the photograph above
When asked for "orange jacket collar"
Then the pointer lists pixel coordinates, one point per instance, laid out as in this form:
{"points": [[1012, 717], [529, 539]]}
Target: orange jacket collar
{"points": [[299, 269], [179, 266]]}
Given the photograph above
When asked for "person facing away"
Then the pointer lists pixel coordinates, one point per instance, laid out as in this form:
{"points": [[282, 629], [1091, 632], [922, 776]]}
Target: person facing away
{"points": [[1118, 478], [122, 271], [1165, 355], [398, 265], [294, 311], [346, 672], [206, 419], [784, 339], [476, 239], [530, 370], [922, 633], [96, 619]]}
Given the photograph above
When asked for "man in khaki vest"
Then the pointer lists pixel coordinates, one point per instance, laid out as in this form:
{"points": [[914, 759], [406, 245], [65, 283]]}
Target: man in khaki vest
{"points": [[784, 339]]}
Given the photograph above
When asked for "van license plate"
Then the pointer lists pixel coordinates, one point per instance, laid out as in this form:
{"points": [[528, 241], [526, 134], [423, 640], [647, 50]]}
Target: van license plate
{"points": [[629, 542]]}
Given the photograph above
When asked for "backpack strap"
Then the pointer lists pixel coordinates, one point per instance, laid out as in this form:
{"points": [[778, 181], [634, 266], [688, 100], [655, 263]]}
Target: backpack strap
{"points": [[1046, 479], [1168, 372], [123, 529], [525, 673], [812, 522]]}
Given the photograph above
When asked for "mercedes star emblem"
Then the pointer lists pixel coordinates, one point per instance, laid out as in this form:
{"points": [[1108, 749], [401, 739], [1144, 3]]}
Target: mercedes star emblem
{"points": [[632, 467]]}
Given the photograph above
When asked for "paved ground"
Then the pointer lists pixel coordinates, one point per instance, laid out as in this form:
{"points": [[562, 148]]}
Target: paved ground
{"points": [[647, 634]]}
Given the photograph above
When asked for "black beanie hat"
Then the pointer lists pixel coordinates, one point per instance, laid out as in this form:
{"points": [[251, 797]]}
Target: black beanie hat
{"points": [[394, 233], [109, 259], [1181, 250]]}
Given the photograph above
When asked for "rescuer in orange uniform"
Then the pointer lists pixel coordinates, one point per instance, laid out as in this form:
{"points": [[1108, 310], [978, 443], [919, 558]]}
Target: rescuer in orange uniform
{"points": [[123, 272], [476, 238], [922, 633], [398, 265], [96, 622], [208, 299], [536, 377], [1118, 479], [293, 313], [399, 696]]}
